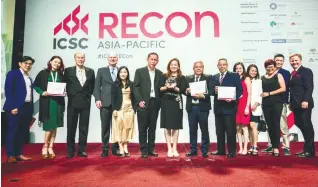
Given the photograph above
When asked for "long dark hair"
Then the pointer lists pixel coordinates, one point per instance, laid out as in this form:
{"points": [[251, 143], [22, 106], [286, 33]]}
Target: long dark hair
{"points": [[118, 81], [61, 68], [168, 74], [244, 71], [248, 71]]}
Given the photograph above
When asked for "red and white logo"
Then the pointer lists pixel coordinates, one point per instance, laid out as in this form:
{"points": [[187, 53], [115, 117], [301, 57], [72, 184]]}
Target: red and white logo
{"points": [[79, 23]]}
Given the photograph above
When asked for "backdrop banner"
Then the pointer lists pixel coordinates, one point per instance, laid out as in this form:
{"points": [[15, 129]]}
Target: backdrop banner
{"points": [[245, 31]]}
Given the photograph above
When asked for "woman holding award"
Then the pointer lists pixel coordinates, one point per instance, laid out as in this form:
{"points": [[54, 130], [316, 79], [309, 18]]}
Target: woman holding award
{"points": [[51, 112], [123, 119], [172, 85], [243, 112]]}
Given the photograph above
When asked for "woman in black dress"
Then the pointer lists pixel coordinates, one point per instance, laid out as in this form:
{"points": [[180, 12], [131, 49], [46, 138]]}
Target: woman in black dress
{"points": [[273, 85], [172, 84]]}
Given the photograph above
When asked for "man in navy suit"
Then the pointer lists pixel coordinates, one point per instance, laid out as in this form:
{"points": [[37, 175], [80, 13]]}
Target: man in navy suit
{"points": [[225, 110], [302, 103], [19, 108]]}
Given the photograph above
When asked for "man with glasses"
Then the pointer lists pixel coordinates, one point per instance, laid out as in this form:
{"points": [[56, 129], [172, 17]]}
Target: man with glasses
{"points": [[19, 108]]}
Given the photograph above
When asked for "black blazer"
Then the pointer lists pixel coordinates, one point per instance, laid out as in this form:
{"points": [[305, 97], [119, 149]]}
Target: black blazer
{"points": [[301, 87], [220, 106], [78, 96], [117, 96], [205, 104], [142, 85]]}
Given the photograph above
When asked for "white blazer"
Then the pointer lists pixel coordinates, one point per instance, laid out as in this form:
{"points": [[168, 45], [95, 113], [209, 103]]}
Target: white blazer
{"points": [[256, 90]]}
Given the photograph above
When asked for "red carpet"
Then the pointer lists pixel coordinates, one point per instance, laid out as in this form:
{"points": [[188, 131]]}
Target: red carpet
{"points": [[243, 171]]}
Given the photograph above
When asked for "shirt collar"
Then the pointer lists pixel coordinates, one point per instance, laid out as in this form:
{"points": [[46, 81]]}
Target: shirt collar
{"points": [[224, 73], [150, 69], [23, 73]]}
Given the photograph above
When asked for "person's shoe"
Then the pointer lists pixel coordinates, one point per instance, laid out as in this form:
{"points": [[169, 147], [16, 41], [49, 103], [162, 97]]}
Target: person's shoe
{"points": [[299, 153], [205, 155], [82, 154], [217, 153], [286, 151], [70, 155], [191, 154], [22, 158], [144, 155], [275, 154], [153, 154], [231, 155], [306, 155], [268, 149], [51, 153], [11, 159], [104, 153]]}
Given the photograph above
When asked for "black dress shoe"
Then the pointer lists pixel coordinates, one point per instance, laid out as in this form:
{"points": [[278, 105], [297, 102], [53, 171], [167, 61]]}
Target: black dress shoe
{"points": [[144, 155], [205, 155], [82, 154], [70, 155], [306, 155], [231, 155], [153, 154], [217, 153], [104, 154], [192, 154]]}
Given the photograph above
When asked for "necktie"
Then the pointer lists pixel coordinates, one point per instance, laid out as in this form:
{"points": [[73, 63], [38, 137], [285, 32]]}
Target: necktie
{"points": [[197, 79], [293, 73], [221, 78], [113, 74]]}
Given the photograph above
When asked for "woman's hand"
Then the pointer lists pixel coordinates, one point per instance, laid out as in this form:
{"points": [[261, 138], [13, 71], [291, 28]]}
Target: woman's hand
{"points": [[264, 94], [176, 89], [246, 111], [45, 93], [115, 113]]}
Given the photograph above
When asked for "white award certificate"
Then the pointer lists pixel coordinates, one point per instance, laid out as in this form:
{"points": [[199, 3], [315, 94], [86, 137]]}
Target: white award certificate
{"points": [[56, 88], [198, 87], [225, 92]]}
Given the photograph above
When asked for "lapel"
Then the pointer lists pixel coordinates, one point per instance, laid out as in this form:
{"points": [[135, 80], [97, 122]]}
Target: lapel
{"points": [[109, 77], [157, 77], [147, 76], [22, 78], [74, 73], [217, 77], [297, 73]]}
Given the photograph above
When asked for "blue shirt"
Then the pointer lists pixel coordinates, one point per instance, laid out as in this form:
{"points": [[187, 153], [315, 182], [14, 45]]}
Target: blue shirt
{"points": [[286, 76]]}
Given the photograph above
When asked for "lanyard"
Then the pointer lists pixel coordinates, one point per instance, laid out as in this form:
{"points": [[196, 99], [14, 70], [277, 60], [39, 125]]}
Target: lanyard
{"points": [[54, 79]]}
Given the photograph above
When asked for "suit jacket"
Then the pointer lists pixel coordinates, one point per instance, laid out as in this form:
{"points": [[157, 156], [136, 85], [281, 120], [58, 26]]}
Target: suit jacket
{"points": [[15, 91], [103, 86], [142, 85], [230, 79], [79, 96], [117, 97], [301, 88], [205, 104]]}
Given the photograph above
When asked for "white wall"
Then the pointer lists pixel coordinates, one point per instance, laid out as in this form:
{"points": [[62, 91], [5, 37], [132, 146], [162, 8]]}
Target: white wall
{"points": [[245, 35]]}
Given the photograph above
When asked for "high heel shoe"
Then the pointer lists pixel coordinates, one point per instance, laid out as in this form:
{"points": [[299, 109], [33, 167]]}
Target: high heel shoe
{"points": [[249, 152], [127, 154], [45, 154], [170, 154], [51, 153], [255, 151], [175, 153]]}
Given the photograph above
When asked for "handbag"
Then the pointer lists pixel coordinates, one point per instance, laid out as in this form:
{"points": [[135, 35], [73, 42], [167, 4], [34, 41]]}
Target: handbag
{"points": [[262, 126]]}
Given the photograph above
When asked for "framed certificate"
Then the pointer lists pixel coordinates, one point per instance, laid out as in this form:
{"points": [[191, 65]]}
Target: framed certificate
{"points": [[198, 87], [56, 88], [225, 92]]}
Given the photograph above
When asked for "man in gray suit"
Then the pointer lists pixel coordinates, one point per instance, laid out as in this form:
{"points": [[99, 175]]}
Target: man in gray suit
{"points": [[106, 76]]}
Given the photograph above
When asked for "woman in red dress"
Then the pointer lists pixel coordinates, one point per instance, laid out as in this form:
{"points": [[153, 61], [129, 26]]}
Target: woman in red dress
{"points": [[243, 108]]}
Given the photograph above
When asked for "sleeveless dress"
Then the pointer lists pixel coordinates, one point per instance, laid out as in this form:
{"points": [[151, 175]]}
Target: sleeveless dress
{"points": [[123, 124], [240, 117]]}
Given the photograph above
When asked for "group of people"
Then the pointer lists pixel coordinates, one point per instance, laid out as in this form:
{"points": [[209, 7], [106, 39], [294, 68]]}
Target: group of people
{"points": [[118, 99]]}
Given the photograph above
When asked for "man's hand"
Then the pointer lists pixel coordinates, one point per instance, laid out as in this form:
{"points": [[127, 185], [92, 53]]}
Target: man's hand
{"points": [[142, 104], [14, 111], [45, 93], [216, 89], [188, 91], [228, 100], [99, 104], [199, 96], [304, 105]]}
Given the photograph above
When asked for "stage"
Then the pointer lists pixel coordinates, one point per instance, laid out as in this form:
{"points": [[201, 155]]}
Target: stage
{"points": [[262, 170]]}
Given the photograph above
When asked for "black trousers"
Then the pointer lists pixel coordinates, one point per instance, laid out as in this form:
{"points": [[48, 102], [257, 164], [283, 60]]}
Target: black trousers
{"points": [[272, 114], [195, 117], [147, 123], [303, 121], [225, 124], [72, 119], [106, 118]]}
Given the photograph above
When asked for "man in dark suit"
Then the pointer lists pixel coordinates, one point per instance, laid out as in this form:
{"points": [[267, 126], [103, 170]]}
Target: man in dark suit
{"points": [[225, 110], [302, 103], [146, 90], [80, 82], [102, 93], [198, 107], [19, 108]]}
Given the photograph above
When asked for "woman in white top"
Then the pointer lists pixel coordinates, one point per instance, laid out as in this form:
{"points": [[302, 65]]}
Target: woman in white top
{"points": [[256, 101]]}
